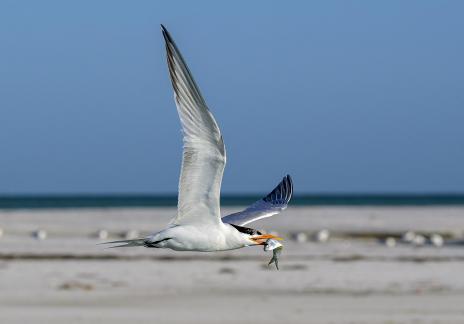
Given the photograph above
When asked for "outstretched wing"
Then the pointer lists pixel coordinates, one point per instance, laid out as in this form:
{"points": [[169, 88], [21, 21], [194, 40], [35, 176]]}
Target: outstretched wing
{"points": [[204, 154], [272, 204]]}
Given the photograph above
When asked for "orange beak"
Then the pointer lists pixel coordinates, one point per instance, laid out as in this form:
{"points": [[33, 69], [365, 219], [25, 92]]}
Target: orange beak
{"points": [[261, 239]]}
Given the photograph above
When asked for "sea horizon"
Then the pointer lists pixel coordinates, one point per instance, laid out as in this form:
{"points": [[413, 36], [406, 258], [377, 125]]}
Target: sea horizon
{"points": [[41, 201]]}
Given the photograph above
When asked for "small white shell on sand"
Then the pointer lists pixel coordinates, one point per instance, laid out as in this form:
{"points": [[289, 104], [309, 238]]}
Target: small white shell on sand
{"points": [[390, 242], [419, 240], [409, 236], [300, 237], [39, 234], [322, 236], [102, 234], [437, 240]]}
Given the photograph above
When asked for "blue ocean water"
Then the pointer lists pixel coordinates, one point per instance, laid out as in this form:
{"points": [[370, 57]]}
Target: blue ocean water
{"points": [[115, 201]]}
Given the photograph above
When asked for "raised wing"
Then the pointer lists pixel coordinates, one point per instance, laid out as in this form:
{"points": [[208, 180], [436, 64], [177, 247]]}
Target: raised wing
{"points": [[272, 204], [204, 154]]}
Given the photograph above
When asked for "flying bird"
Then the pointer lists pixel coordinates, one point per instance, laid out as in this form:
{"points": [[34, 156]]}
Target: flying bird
{"points": [[198, 225]]}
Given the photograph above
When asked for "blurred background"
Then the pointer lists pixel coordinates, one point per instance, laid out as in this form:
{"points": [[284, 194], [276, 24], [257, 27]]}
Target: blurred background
{"points": [[361, 102]]}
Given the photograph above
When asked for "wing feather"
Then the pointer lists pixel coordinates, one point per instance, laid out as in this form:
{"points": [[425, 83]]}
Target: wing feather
{"points": [[273, 203], [204, 154]]}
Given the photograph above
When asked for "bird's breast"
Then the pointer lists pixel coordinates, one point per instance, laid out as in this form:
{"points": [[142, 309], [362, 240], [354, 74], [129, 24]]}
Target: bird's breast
{"points": [[203, 238]]}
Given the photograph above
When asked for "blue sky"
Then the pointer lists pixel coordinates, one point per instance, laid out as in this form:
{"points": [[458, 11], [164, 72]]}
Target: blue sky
{"points": [[346, 96]]}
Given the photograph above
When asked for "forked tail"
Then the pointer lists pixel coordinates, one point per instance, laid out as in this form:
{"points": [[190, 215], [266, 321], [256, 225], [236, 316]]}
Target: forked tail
{"points": [[125, 243]]}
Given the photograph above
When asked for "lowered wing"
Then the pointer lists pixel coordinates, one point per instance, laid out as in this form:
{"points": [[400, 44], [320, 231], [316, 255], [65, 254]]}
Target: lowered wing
{"points": [[204, 154], [276, 201]]}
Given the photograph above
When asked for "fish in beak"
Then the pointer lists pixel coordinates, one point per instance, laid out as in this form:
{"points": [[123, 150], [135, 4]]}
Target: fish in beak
{"points": [[275, 256], [276, 248]]}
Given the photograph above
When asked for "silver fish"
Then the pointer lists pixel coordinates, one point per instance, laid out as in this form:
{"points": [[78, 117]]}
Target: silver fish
{"points": [[276, 248]]}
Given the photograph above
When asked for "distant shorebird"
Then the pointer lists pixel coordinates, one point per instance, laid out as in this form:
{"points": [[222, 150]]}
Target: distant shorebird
{"points": [[198, 225]]}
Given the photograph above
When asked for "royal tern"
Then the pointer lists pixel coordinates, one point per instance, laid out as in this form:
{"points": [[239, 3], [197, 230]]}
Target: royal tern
{"points": [[198, 225]]}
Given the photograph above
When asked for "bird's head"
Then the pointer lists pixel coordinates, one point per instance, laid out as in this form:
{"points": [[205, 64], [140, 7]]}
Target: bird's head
{"points": [[255, 236]]}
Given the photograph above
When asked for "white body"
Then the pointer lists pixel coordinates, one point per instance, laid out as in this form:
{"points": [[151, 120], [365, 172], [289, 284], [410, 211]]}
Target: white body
{"points": [[204, 238]]}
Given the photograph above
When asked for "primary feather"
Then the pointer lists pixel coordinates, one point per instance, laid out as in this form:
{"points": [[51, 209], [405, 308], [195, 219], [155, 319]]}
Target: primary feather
{"points": [[273, 203], [204, 154]]}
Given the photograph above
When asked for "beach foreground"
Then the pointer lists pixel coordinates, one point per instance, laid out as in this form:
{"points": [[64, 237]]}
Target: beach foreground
{"points": [[352, 278]]}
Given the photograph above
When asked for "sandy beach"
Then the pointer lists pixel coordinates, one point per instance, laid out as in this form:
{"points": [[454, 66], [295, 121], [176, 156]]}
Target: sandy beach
{"points": [[352, 278]]}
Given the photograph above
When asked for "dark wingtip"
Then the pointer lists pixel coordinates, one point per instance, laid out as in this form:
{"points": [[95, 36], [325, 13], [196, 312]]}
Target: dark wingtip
{"points": [[282, 193], [166, 35]]}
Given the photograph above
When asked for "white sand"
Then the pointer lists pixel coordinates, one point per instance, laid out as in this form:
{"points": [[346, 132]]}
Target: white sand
{"points": [[343, 281]]}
